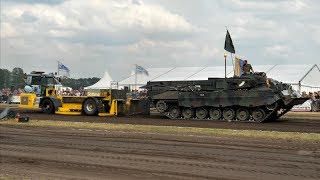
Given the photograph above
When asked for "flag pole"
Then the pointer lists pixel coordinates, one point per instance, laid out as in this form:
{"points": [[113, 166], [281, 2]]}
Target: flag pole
{"points": [[225, 65], [232, 62], [58, 69], [135, 80]]}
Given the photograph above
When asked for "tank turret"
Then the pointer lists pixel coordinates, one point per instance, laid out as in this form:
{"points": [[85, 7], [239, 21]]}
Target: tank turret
{"points": [[252, 97]]}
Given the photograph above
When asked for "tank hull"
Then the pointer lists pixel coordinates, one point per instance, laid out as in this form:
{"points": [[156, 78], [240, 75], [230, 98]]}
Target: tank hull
{"points": [[249, 99]]}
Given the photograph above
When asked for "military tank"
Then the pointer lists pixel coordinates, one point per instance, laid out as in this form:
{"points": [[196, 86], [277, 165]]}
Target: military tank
{"points": [[249, 98]]}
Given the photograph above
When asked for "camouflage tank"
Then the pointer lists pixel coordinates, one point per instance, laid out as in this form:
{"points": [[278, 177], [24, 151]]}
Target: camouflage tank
{"points": [[249, 98]]}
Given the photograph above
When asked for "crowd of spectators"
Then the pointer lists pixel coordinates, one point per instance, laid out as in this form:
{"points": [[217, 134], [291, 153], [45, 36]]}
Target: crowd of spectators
{"points": [[314, 98], [72, 92], [135, 94], [7, 93]]}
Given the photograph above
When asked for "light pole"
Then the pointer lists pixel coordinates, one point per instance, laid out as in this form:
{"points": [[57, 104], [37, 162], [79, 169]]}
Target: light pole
{"points": [[225, 65]]}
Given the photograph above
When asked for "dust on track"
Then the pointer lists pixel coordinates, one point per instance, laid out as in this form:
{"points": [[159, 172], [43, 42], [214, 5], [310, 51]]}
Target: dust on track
{"points": [[62, 153]]}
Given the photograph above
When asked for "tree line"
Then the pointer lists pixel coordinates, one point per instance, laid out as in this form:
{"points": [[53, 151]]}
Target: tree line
{"points": [[16, 79]]}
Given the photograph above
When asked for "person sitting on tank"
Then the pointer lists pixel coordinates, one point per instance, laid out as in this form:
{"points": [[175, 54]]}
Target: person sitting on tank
{"points": [[247, 68]]}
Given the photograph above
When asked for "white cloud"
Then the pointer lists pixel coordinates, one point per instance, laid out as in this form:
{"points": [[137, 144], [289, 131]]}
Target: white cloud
{"points": [[108, 16], [277, 50], [7, 30], [146, 45], [90, 36], [210, 52], [278, 6]]}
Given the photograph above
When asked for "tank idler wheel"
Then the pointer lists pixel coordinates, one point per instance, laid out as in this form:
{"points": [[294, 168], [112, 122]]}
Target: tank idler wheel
{"points": [[258, 114], [188, 113], [272, 106], [229, 114], [215, 113], [242, 114], [201, 113], [175, 112], [161, 106]]}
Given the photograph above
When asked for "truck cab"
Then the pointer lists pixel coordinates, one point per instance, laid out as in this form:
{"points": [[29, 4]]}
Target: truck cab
{"points": [[40, 84]]}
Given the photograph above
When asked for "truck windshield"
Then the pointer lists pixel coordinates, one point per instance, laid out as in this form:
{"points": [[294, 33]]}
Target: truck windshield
{"points": [[33, 80]]}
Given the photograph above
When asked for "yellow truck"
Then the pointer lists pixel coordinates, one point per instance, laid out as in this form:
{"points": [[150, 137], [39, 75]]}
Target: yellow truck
{"points": [[40, 93]]}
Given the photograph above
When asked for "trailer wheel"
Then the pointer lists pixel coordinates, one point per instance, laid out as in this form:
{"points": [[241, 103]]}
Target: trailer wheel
{"points": [[90, 107], [11, 114], [47, 106]]}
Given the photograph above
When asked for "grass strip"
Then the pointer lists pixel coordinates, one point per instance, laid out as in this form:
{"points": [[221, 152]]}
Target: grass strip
{"points": [[2, 105], [314, 137], [315, 115]]}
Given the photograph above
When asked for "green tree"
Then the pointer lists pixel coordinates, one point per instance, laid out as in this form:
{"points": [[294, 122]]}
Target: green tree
{"points": [[18, 77], [5, 78]]}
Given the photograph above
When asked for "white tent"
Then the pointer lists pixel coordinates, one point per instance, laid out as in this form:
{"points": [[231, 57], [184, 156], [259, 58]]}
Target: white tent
{"points": [[104, 83], [302, 77]]}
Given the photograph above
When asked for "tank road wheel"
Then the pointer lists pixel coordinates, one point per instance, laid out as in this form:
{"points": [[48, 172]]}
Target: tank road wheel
{"points": [[90, 107], [175, 112], [215, 113], [47, 106], [188, 113], [258, 114], [242, 114], [201, 113], [228, 114], [161, 106]]}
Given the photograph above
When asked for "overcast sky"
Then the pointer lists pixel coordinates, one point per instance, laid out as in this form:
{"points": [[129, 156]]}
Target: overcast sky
{"points": [[92, 36]]}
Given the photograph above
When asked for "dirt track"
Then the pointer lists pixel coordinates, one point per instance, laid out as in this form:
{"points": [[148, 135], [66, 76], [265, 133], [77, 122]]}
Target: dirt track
{"points": [[50, 153], [287, 124]]}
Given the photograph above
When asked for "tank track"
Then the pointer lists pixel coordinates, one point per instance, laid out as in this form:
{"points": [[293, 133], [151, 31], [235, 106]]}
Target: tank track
{"points": [[270, 115]]}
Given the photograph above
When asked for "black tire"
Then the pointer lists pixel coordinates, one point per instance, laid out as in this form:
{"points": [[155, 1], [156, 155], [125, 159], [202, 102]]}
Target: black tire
{"points": [[90, 107], [11, 114], [47, 106]]}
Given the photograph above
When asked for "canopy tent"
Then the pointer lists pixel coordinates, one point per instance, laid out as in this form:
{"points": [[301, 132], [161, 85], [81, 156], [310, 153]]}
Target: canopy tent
{"points": [[302, 77], [104, 83]]}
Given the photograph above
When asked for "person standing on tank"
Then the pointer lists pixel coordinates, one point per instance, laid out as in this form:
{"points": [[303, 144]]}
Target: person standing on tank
{"points": [[247, 68]]}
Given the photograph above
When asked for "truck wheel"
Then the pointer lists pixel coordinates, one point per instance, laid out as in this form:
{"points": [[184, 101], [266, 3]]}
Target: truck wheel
{"points": [[90, 107], [47, 106]]}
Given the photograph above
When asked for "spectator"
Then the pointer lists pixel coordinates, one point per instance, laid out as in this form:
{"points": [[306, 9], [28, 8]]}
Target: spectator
{"points": [[247, 68], [316, 103], [304, 94], [316, 95]]}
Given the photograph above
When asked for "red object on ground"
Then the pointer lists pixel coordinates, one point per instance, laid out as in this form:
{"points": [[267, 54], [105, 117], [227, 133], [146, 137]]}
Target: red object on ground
{"points": [[17, 116]]}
